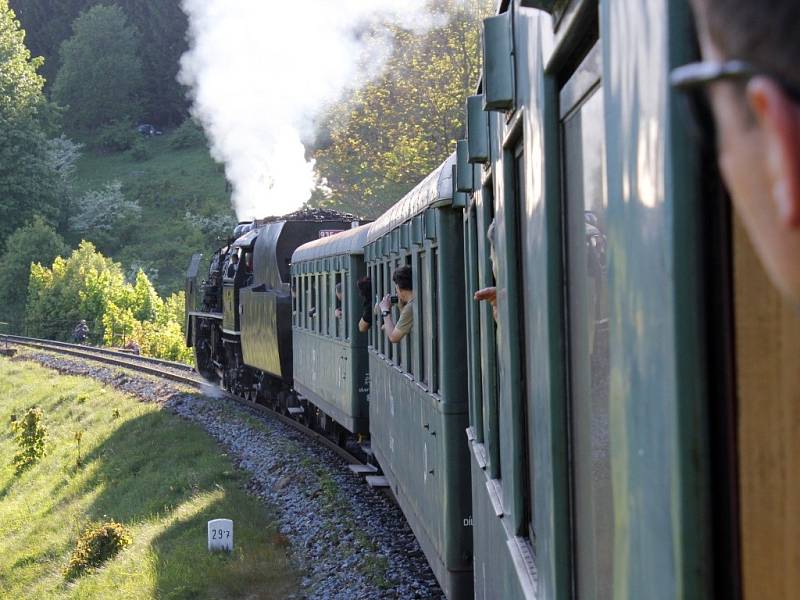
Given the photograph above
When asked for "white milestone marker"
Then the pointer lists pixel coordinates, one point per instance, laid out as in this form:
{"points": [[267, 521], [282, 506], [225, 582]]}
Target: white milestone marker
{"points": [[220, 535]]}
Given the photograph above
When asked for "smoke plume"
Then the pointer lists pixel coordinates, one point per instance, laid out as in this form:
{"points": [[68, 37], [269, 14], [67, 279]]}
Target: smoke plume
{"points": [[259, 71]]}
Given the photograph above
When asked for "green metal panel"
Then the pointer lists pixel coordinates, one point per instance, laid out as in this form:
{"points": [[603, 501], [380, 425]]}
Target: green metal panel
{"points": [[430, 224], [405, 236], [417, 226], [477, 130], [465, 181], [658, 424], [498, 66], [395, 240]]}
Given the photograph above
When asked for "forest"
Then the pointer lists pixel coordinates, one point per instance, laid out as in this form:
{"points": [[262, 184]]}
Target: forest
{"points": [[102, 162]]}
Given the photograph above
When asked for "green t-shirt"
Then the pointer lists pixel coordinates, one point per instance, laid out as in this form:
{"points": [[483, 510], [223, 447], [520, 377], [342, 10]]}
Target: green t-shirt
{"points": [[406, 320]]}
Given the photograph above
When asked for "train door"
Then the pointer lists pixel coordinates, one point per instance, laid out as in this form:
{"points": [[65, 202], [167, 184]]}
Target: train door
{"points": [[584, 201]]}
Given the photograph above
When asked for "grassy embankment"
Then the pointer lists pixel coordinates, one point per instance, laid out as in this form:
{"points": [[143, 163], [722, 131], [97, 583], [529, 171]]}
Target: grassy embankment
{"points": [[149, 470], [166, 185]]}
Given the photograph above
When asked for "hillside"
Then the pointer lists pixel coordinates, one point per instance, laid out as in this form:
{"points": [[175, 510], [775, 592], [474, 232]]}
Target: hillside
{"points": [[167, 184]]}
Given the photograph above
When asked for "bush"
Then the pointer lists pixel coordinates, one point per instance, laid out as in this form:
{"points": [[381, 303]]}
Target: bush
{"points": [[95, 546], [188, 135], [116, 137], [141, 151], [30, 435]]}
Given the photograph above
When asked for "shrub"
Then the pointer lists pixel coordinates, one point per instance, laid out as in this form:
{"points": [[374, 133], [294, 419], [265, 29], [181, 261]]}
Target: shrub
{"points": [[96, 545], [188, 135], [141, 152], [30, 435], [117, 137]]}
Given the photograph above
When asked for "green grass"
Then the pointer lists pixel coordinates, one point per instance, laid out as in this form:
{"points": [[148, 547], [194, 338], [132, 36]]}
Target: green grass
{"points": [[191, 172], [149, 470], [167, 185]]}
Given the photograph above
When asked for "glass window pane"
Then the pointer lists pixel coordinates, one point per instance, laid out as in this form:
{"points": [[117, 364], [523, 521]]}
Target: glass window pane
{"points": [[586, 201]]}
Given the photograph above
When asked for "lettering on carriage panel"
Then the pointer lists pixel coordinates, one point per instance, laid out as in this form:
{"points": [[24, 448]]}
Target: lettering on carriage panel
{"points": [[220, 535]]}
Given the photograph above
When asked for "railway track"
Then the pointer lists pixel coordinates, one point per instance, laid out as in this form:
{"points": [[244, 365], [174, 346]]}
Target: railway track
{"points": [[173, 371]]}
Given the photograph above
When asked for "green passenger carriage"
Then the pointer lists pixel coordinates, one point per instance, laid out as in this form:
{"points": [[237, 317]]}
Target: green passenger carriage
{"points": [[418, 396], [330, 354]]}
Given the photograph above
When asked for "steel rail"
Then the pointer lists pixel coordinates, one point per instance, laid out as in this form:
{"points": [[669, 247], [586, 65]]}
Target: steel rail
{"points": [[109, 351], [118, 359]]}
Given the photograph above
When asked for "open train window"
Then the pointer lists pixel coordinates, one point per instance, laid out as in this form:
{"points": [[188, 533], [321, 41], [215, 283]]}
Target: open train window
{"points": [[517, 377], [488, 337], [420, 299], [434, 329], [473, 314], [408, 341], [339, 306], [584, 201]]}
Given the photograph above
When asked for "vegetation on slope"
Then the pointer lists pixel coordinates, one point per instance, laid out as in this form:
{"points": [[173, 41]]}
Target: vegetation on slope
{"points": [[159, 476]]}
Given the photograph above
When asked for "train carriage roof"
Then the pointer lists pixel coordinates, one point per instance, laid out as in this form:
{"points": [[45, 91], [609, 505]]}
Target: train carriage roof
{"points": [[351, 241], [436, 189]]}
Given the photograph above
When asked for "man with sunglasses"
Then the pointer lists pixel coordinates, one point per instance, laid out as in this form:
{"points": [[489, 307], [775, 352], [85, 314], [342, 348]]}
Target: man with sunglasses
{"points": [[751, 73]]}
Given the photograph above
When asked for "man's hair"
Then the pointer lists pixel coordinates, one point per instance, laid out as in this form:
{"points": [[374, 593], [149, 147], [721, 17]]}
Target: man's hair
{"points": [[364, 286], [402, 277], [763, 33]]}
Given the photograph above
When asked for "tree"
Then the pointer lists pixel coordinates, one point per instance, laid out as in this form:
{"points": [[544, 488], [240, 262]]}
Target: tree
{"points": [[104, 213], [87, 285], [28, 185], [35, 242], [162, 25], [101, 72], [382, 140]]}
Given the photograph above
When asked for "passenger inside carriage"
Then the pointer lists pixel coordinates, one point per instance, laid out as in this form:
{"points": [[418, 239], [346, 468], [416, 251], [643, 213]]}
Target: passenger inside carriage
{"points": [[751, 52], [338, 311], [405, 295], [489, 294], [364, 286]]}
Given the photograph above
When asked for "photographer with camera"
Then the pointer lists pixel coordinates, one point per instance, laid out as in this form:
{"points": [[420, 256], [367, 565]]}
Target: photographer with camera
{"points": [[405, 295]]}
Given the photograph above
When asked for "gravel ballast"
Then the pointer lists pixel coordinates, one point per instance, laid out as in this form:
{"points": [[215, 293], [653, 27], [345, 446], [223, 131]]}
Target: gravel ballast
{"points": [[348, 541]]}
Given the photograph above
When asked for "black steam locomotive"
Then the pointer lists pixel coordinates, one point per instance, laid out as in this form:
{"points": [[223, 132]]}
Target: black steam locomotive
{"points": [[238, 319]]}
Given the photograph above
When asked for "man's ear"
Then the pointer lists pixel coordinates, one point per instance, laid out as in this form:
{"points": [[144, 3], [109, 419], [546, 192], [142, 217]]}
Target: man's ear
{"points": [[779, 119]]}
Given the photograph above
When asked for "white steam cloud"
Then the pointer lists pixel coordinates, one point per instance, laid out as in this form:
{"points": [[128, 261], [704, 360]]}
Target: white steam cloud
{"points": [[259, 71]]}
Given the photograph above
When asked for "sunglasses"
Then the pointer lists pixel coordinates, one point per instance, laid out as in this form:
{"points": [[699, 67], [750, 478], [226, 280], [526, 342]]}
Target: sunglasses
{"points": [[699, 74]]}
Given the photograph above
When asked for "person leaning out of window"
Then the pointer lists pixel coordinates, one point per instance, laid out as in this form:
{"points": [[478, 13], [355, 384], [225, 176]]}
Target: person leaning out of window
{"points": [[364, 286], [405, 295]]}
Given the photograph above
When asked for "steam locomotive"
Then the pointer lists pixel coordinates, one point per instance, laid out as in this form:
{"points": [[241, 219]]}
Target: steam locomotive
{"points": [[584, 439]]}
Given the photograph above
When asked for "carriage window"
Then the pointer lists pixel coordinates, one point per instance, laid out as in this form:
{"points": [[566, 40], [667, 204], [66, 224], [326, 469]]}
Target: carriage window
{"points": [[421, 324], [301, 301], [410, 340], [434, 320], [388, 288], [520, 356], [474, 325], [585, 201], [488, 338], [313, 318], [339, 302], [324, 303]]}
